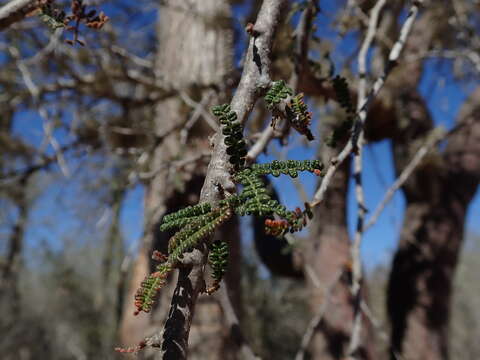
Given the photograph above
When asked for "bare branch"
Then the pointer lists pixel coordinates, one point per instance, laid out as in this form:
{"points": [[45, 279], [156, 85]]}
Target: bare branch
{"points": [[359, 193], [377, 86], [438, 135], [234, 325], [302, 37], [254, 82], [47, 124], [16, 10], [199, 109], [317, 319]]}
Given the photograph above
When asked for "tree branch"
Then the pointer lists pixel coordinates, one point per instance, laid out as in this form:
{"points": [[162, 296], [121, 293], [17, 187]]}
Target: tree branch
{"points": [[302, 37], [254, 82], [377, 86], [16, 10], [317, 319], [357, 175]]}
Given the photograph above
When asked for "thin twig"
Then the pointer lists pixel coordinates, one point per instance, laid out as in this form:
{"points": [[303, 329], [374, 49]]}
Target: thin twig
{"points": [[302, 37], [438, 135], [317, 319], [378, 328], [392, 61], [254, 82], [47, 124], [359, 192], [233, 324], [199, 109]]}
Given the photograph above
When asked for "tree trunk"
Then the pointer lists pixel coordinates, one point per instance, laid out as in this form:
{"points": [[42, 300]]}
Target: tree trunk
{"points": [[437, 194], [9, 277], [195, 58], [327, 266]]}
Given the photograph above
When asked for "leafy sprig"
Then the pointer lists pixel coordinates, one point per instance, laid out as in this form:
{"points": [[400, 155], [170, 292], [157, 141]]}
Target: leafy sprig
{"points": [[56, 18], [342, 92], [218, 261], [233, 131], [299, 116], [195, 223], [278, 91]]}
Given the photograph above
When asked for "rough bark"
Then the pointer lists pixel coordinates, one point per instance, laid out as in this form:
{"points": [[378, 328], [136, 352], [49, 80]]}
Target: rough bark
{"points": [[254, 82], [16, 10], [327, 254], [195, 52], [438, 195]]}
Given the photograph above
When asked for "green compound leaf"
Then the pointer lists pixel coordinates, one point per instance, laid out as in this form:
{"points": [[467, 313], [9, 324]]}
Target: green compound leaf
{"points": [[278, 91], [299, 116], [196, 223], [342, 92], [184, 240], [145, 295], [233, 131], [218, 261]]}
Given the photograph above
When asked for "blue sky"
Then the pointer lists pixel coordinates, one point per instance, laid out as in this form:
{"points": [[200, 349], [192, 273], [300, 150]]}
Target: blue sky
{"points": [[444, 96]]}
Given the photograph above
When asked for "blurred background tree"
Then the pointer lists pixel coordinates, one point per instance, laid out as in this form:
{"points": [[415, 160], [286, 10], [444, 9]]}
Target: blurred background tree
{"points": [[99, 141]]}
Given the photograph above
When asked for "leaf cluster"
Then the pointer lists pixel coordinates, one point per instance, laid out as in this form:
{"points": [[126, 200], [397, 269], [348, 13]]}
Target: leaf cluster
{"points": [[195, 223], [233, 131], [342, 93], [278, 91]]}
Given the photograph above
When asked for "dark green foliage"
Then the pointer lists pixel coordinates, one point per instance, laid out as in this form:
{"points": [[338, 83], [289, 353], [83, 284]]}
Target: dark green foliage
{"points": [[199, 209], [191, 234], [184, 216], [299, 116], [342, 92], [296, 111], [54, 18], [278, 92], [340, 85], [196, 223], [218, 260], [257, 201], [340, 132], [289, 167], [233, 131]]}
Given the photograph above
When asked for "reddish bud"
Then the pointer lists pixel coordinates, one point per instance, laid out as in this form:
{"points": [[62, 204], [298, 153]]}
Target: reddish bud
{"points": [[249, 29]]}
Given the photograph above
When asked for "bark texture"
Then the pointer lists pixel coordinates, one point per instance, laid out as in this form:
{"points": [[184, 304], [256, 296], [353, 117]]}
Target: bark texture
{"points": [[438, 195], [327, 254], [194, 57], [254, 82]]}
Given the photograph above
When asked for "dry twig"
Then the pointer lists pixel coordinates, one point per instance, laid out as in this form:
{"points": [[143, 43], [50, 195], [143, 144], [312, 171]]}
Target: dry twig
{"points": [[359, 192], [377, 86]]}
